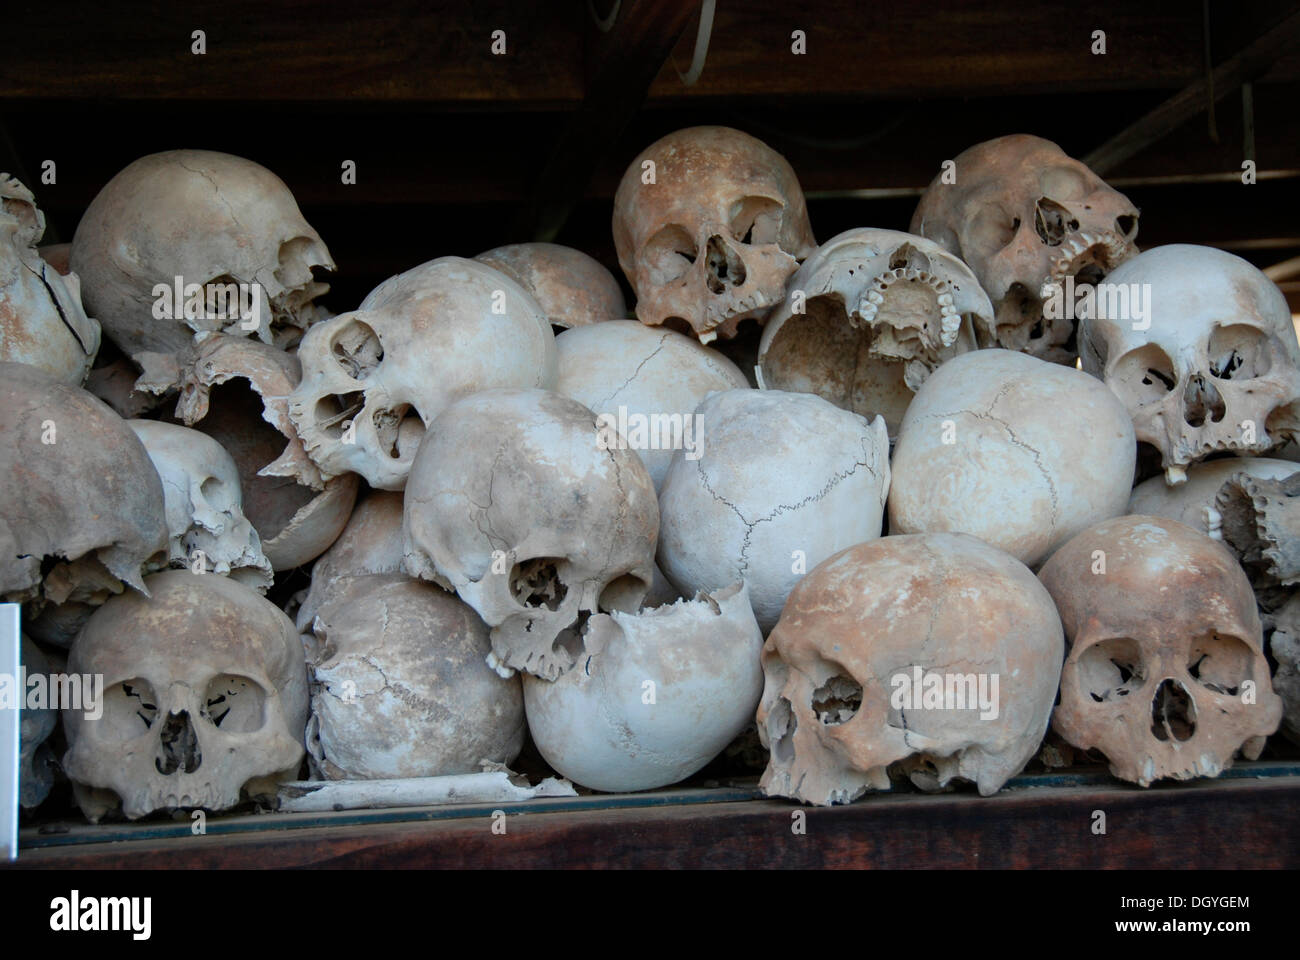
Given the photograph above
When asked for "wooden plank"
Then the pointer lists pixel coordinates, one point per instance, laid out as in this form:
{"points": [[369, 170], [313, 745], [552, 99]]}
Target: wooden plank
{"points": [[1226, 78], [1222, 823]]}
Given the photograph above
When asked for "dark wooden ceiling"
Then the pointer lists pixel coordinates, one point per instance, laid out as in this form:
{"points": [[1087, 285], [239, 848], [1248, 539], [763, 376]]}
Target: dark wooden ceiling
{"points": [[458, 149]]}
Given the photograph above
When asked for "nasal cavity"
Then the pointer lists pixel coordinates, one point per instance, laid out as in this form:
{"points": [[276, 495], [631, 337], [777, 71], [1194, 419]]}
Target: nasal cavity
{"points": [[1173, 714], [724, 268], [179, 746], [1201, 402]]}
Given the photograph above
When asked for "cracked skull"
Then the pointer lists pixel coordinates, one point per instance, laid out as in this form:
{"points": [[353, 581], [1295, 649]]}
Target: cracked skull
{"points": [[709, 224], [1016, 451], [41, 318], [658, 695], [400, 687], [936, 654], [1215, 365], [866, 319], [1166, 673], [520, 503], [214, 220], [1026, 216], [646, 380], [781, 482], [374, 379], [205, 699], [206, 526]]}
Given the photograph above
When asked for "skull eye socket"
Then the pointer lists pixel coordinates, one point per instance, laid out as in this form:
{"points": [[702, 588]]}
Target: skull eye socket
{"points": [[669, 254], [991, 229], [130, 708], [1142, 376], [1052, 221], [837, 701], [1221, 664], [622, 593], [537, 583], [1063, 183], [1238, 352], [756, 220], [1110, 670], [235, 704], [356, 348]]}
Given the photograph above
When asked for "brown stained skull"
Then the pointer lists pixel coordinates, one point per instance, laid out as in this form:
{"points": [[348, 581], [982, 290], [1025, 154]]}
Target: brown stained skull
{"points": [[1023, 215], [709, 224], [204, 698], [859, 628], [520, 503], [573, 289], [1165, 673]]}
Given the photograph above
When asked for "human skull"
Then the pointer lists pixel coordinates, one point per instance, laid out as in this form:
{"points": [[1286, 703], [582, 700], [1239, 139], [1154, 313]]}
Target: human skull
{"points": [[709, 223], [80, 495], [374, 379], [1166, 673], [205, 697], [1284, 644], [400, 687], [237, 392], [1214, 367], [647, 382], [861, 645], [371, 543], [518, 503], [35, 773], [1193, 502], [205, 521], [1011, 449], [41, 318], [1261, 523], [209, 219], [1024, 216], [781, 482], [572, 289], [867, 317], [659, 693]]}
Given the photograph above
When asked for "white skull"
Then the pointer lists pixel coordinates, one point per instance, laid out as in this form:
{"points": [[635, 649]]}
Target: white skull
{"points": [[41, 318], [518, 503], [1166, 673], [842, 701], [203, 504], [866, 319], [709, 224], [1011, 449], [374, 379], [1215, 366], [208, 218], [646, 380], [658, 694], [371, 543], [400, 687], [79, 493], [1192, 502], [783, 481], [237, 392], [572, 288], [205, 697], [1024, 215]]}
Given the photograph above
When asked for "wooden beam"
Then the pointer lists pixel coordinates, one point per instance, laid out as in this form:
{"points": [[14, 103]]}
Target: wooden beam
{"points": [[630, 56], [1245, 66]]}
